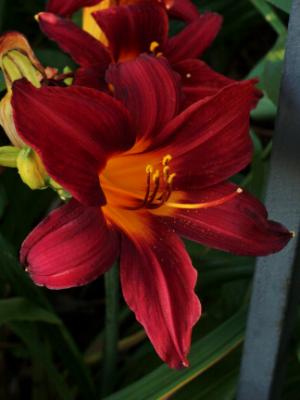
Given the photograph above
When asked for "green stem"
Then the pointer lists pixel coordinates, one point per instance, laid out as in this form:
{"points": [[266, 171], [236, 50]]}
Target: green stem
{"points": [[270, 16], [110, 351]]}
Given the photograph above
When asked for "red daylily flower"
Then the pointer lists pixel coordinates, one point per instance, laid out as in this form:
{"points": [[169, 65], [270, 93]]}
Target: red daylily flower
{"points": [[142, 175], [67, 8], [135, 29], [182, 9]]}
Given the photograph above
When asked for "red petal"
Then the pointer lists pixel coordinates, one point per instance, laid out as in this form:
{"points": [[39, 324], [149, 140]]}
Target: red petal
{"points": [[66, 8], [210, 141], [82, 47], [71, 247], [74, 130], [131, 29], [158, 283], [90, 77], [149, 89], [193, 40], [182, 9], [239, 226], [199, 80]]}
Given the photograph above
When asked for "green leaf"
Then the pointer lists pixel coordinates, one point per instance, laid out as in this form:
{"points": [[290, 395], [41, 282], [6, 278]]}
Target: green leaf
{"points": [[222, 274], [270, 16], [11, 272], [29, 334], [20, 309], [269, 71], [2, 81], [3, 200], [25, 207], [265, 110], [256, 177], [163, 382], [273, 69], [215, 386], [284, 5]]}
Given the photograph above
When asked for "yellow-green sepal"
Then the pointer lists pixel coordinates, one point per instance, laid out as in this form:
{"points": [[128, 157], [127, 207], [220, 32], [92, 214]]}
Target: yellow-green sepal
{"points": [[8, 156], [31, 169]]}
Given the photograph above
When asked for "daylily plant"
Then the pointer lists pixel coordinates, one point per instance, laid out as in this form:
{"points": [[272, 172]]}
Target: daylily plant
{"points": [[17, 61], [182, 9], [130, 30], [143, 174]]}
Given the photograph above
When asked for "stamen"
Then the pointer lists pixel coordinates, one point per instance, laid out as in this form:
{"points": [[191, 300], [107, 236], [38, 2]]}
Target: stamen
{"points": [[153, 46], [149, 169], [188, 75], [160, 186], [166, 171], [111, 88], [148, 184], [166, 160], [213, 203], [156, 176], [171, 179], [156, 180]]}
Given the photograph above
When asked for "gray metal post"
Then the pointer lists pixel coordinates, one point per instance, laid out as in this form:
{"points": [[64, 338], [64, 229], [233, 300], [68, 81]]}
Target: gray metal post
{"points": [[276, 287]]}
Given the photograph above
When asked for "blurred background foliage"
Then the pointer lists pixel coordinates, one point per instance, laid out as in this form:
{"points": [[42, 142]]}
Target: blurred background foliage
{"points": [[51, 343]]}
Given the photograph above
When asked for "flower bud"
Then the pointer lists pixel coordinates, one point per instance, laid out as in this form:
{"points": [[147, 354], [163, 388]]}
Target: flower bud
{"points": [[8, 156], [31, 169], [17, 61], [7, 121]]}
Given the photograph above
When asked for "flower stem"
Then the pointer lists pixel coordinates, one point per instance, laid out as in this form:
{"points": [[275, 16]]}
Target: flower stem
{"points": [[110, 351]]}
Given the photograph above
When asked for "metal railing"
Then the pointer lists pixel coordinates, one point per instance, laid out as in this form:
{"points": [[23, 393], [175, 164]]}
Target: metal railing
{"points": [[276, 287]]}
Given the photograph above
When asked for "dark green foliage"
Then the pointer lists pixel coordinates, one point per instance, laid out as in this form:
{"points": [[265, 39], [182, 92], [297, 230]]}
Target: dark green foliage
{"points": [[51, 343]]}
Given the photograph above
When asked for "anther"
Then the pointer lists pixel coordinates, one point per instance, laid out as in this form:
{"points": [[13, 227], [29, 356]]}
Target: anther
{"points": [[111, 88], [188, 75], [149, 169], [171, 179], [166, 159], [153, 46], [239, 190]]}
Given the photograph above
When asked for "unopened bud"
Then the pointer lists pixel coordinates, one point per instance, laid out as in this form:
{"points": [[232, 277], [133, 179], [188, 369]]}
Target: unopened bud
{"points": [[7, 121], [31, 169], [68, 81], [8, 156], [18, 61], [62, 193]]}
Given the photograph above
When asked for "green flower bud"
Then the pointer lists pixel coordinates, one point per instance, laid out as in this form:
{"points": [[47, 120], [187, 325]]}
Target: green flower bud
{"points": [[8, 156], [17, 61], [31, 169]]}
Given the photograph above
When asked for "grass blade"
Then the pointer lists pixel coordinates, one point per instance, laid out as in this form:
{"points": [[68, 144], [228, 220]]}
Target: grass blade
{"points": [[163, 382]]}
